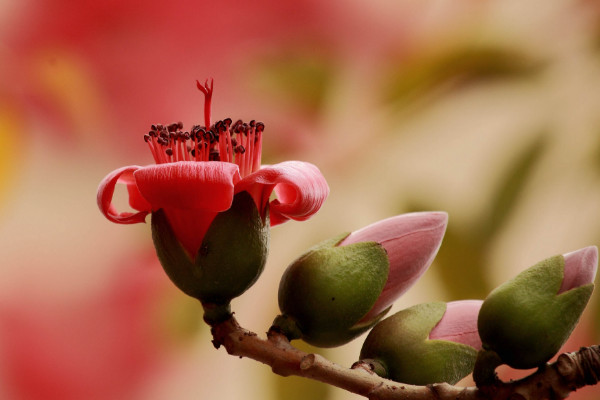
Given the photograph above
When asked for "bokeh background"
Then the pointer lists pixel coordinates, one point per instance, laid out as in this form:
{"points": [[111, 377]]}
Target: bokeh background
{"points": [[489, 110]]}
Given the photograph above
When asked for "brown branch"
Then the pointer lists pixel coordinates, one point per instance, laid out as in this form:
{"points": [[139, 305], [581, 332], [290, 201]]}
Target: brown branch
{"points": [[554, 381]]}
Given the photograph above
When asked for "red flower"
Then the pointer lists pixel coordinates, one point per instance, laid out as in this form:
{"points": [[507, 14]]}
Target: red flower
{"points": [[197, 173]]}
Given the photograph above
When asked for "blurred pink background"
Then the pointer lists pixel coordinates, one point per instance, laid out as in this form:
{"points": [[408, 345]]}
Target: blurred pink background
{"points": [[488, 110]]}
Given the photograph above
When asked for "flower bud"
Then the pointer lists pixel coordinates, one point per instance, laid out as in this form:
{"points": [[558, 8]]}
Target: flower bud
{"points": [[528, 319], [231, 258], [342, 287], [426, 343]]}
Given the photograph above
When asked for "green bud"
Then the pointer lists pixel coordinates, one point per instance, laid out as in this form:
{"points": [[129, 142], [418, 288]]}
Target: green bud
{"points": [[324, 293], [231, 258], [527, 320], [400, 348]]}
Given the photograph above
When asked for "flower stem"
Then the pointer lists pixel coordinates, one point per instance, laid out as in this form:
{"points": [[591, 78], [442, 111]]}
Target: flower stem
{"points": [[555, 381]]}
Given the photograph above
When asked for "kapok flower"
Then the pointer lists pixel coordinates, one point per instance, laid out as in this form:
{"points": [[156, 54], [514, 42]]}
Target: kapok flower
{"points": [[426, 343], [342, 287], [197, 175], [526, 320]]}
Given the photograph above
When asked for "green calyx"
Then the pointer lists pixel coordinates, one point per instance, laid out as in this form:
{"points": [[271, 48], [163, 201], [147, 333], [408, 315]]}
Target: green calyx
{"points": [[231, 258], [401, 348], [325, 293], [525, 321]]}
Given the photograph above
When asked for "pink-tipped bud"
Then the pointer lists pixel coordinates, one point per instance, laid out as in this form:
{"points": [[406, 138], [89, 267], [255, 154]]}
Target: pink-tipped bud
{"points": [[459, 324], [580, 268], [411, 242], [427, 343], [526, 320]]}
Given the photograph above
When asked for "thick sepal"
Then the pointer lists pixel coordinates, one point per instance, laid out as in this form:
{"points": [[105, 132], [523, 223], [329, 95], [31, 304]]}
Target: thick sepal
{"points": [[401, 349], [231, 258], [329, 289], [234, 251], [525, 321]]}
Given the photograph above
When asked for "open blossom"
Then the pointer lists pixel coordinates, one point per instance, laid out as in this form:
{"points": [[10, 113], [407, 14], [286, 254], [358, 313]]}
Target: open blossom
{"points": [[353, 280], [197, 174]]}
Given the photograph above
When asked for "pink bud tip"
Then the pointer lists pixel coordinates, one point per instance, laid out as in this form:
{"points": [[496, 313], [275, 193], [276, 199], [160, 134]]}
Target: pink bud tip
{"points": [[459, 324], [411, 242], [580, 268]]}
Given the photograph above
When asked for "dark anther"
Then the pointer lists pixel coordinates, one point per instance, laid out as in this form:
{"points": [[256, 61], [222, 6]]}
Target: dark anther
{"points": [[153, 127], [239, 149], [233, 142], [260, 126], [172, 127], [237, 126], [214, 156], [192, 152], [180, 125], [252, 123], [227, 121], [160, 127], [146, 138], [169, 152]]}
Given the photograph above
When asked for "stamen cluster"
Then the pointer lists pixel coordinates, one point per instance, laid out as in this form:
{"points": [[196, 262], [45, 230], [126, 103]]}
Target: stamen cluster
{"points": [[239, 143]]}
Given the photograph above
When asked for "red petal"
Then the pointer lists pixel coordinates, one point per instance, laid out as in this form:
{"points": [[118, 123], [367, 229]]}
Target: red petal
{"points": [[300, 187], [188, 185], [107, 189], [136, 200], [190, 226]]}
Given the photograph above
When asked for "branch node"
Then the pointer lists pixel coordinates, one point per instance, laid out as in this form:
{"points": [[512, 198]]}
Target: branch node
{"points": [[581, 367], [364, 366], [308, 361]]}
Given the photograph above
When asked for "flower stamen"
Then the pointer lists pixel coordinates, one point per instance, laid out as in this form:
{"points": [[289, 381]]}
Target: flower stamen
{"points": [[239, 143]]}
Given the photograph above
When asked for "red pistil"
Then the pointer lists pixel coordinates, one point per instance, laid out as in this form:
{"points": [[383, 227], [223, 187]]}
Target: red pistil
{"points": [[207, 99], [239, 143]]}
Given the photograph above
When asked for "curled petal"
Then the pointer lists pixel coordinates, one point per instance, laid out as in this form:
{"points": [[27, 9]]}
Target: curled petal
{"points": [[107, 189], [580, 268], [188, 185], [136, 200], [459, 323], [300, 187]]}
